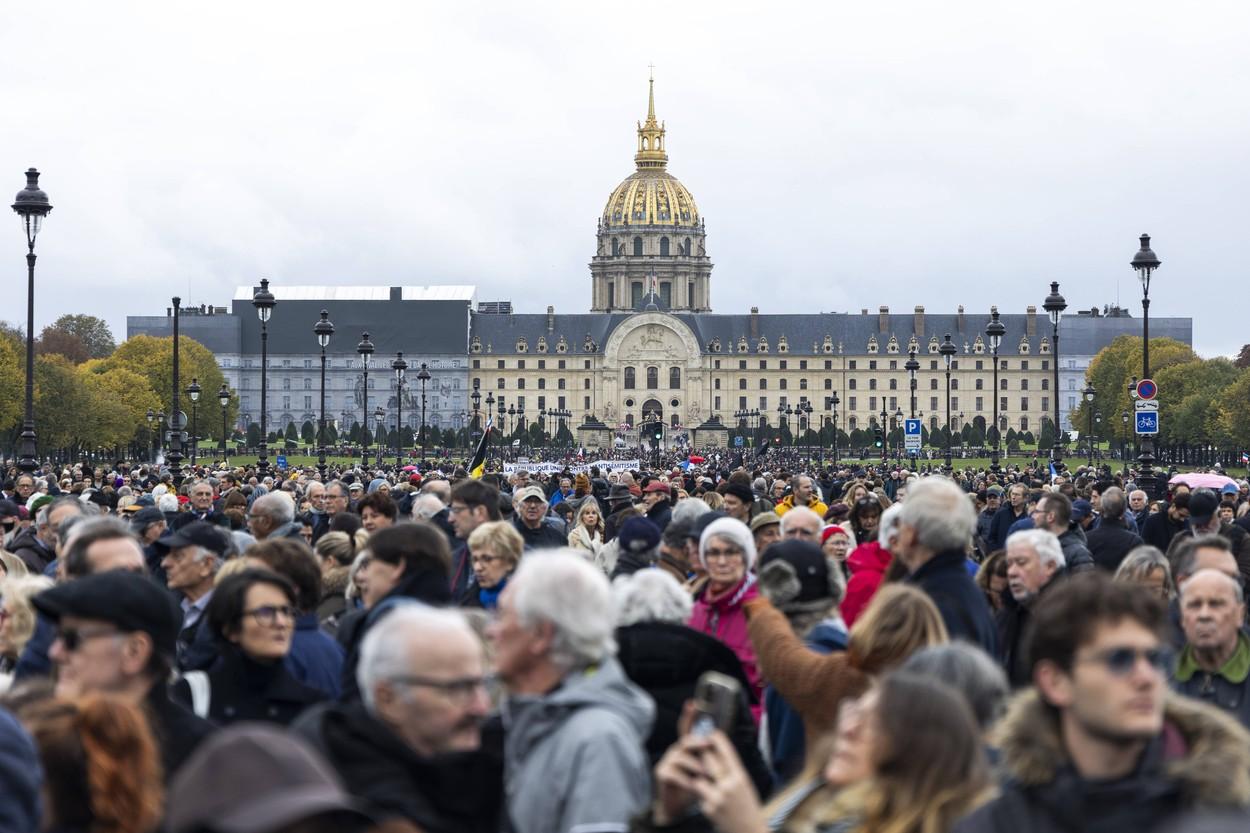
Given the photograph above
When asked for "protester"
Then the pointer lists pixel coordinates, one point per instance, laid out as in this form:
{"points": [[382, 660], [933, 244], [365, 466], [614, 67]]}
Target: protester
{"points": [[473, 503], [992, 579], [530, 507], [587, 532], [868, 564], [1034, 563], [1215, 664], [495, 550], [1148, 567], [17, 620], [1112, 539], [574, 752]]}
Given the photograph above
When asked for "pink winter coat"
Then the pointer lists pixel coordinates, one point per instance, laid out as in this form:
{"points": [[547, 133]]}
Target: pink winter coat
{"points": [[725, 618], [867, 563]]}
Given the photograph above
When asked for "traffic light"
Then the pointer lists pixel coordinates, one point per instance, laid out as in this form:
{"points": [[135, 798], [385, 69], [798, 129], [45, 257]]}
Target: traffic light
{"points": [[879, 441], [659, 431]]}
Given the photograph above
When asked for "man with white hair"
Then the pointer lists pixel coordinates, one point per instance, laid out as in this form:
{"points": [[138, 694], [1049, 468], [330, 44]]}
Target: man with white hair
{"points": [[413, 748], [194, 555], [1034, 562], [273, 516], [1215, 664], [935, 529], [801, 524], [576, 726]]}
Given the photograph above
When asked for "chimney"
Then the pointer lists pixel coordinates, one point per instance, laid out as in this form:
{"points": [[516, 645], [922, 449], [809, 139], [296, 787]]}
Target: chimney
{"points": [[755, 323], [863, 311], [917, 326], [1030, 323], [551, 319], [960, 318], [883, 319]]}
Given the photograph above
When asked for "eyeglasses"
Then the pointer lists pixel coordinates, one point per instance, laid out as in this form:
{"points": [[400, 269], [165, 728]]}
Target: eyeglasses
{"points": [[73, 638], [486, 559], [267, 615], [460, 692], [457, 509], [726, 555], [866, 501], [1121, 661]]}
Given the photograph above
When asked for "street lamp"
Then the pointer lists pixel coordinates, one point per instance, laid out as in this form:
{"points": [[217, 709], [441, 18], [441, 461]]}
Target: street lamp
{"points": [[323, 330], [193, 393], [264, 302], [379, 419], [477, 401], [223, 397], [151, 437], [423, 376], [1089, 394], [400, 366], [503, 412], [1054, 306], [1124, 440], [898, 422], [884, 434], [947, 352], [175, 417], [833, 404], [911, 366], [31, 204], [995, 330], [1145, 263], [365, 350], [160, 427]]}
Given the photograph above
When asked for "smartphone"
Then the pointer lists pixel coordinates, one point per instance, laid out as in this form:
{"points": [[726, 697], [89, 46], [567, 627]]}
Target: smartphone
{"points": [[716, 699]]}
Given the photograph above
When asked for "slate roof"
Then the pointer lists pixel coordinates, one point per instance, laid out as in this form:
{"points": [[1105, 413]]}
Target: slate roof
{"points": [[1085, 335]]}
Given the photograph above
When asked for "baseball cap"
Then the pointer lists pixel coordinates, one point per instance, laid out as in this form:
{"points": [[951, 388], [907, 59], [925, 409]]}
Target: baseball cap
{"points": [[200, 534], [994, 490], [1081, 509], [1202, 505], [764, 519], [530, 492], [145, 517], [130, 601], [8, 509], [656, 486], [1226, 489]]}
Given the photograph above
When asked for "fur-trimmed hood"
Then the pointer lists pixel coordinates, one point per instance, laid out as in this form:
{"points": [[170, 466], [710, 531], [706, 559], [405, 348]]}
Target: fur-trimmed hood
{"points": [[334, 581], [1206, 752]]}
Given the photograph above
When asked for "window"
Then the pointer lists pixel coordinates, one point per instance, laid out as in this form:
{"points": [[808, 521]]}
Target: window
{"points": [[954, 402], [637, 247], [1024, 364], [980, 364], [1002, 403], [1024, 423], [742, 364], [542, 402], [852, 405], [499, 384], [742, 384], [542, 384], [980, 404], [1045, 403], [1002, 384], [653, 378], [585, 383], [803, 364], [307, 403], [1024, 403], [763, 403], [954, 384], [782, 364], [286, 383], [542, 364], [520, 364], [501, 364], [763, 364], [663, 247], [851, 383], [1045, 364], [872, 384], [560, 383], [828, 384], [933, 384], [872, 403], [980, 384], [852, 364], [763, 384], [933, 364], [828, 364], [308, 384], [560, 364], [629, 378], [717, 405], [872, 364], [933, 403], [783, 384], [286, 362], [894, 384], [1045, 384], [1024, 384], [674, 378], [803, 384], [520, 384]]}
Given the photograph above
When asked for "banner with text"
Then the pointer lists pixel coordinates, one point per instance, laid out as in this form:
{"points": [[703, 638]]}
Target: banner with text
{"points": [[555, 468]]}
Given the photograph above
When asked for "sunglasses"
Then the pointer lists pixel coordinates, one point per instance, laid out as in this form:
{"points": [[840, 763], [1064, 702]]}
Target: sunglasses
{"points": [[1121, 661], [73, 639]]}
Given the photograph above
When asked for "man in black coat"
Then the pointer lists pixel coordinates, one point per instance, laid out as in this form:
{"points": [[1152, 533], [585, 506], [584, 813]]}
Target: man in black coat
{"points": [[620, 498], [1035, 565], [656, 497], [416, 747], [530, 507], [1111, 540], [1160, 528], [936, 527], [201, 496], [1010, 512]]}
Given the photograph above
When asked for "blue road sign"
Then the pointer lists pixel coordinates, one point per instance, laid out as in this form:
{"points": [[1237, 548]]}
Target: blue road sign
{"points": [[281, 461], [738, 441], [911, 434], [1147, 422]]}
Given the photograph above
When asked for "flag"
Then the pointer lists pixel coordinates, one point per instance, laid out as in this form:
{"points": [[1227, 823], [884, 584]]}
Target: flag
{"points": [[477, 466], [1245, 458]]}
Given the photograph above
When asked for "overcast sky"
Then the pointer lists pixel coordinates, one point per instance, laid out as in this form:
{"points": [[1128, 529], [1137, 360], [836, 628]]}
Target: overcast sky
{"points": [[843, 155]]}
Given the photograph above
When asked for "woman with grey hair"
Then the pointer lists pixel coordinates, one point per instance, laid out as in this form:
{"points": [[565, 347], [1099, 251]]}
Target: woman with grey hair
{"points": [[1148, 566], [665, 658], [971, 672]]}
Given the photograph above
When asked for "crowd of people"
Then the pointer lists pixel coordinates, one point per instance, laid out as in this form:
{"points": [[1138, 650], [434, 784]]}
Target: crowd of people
{"points": [[718, 644]]}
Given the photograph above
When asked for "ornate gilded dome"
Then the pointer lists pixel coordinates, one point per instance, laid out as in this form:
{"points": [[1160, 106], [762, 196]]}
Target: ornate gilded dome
{"points": [[651, 196]]}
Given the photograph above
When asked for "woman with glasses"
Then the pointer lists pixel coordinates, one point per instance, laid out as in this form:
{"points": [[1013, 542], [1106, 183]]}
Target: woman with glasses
{"points": [[252, 616], [727, 552], [494, 551]]}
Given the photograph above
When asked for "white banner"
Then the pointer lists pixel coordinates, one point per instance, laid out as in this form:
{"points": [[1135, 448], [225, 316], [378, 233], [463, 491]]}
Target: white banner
{"points": [[554, 468]]}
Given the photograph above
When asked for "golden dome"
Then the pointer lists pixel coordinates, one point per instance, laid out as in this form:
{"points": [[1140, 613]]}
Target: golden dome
{"points": [[651, 196]]}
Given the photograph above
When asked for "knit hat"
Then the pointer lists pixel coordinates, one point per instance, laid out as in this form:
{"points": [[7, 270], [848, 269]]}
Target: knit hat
{"points": [[736, 531], [741, 492], [639, 535], [829, 530]]}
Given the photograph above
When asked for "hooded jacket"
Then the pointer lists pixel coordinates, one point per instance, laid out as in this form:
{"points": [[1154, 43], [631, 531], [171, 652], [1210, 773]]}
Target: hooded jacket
{"points": [[575, 759], [33, 552], [725, 618], [1201, 760], [868, 564]]}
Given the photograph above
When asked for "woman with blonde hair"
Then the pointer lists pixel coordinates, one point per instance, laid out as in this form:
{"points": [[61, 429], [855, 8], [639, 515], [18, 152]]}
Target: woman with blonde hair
{"points": [[102, 773], [12, 566], [17, 620], [587, 532], [495, 551], [899, 621]]}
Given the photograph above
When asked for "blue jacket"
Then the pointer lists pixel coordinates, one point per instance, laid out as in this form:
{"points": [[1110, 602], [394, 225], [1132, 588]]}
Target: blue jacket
{"points": [[315, 659], [787, 736], [962, 604]]}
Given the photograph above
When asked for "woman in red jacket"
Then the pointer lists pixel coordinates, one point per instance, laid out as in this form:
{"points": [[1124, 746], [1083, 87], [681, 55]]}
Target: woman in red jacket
{"points": [[868, 564]]}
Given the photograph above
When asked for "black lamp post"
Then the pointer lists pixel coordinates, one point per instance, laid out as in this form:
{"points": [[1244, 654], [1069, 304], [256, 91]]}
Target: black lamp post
{"points": [[995, 330], [223, 398], [1054, 306], [511, 420], [898, 423], [1124, 440], [1145, 263], [323, 330], [1089, 393], [477, 401], [911, 366], [379, 419], [423, 376], [151, 415], [833, 404], [160, 429], [176, 419], [947, 352], [193, 393], [884, 433], [400, 367], [31, 204], [365, 349], [503, 412], [264, 302]]}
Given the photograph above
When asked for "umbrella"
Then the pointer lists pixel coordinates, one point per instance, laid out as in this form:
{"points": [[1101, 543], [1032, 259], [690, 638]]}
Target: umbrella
{"points": [[1199, 480], [410, 468], [695, 459]]}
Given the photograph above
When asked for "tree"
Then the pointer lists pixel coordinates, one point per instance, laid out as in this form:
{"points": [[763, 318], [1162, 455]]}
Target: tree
{"points": [[253, 435], [61, 343], [1234, 416], [94, 335], [12, 383], [1046, 437], [64, 408], [1110, 371], [1243, 358], [121, 400], [353, 433], [308, 432]]}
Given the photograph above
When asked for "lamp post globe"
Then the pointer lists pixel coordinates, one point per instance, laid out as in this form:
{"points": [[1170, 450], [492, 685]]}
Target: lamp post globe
{"points": [[193, 393], [1089, 393], [264, 301], [223, 399], [365, 350], [1145, 262], [1054, 306], [31, 205]]}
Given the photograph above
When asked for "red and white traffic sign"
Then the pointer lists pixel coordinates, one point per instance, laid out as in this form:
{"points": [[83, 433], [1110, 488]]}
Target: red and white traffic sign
{"points": [[1147, 389]]}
